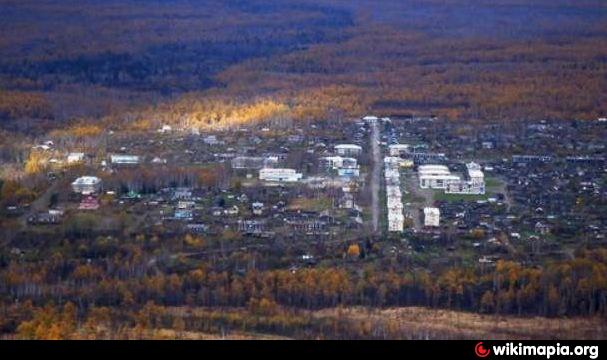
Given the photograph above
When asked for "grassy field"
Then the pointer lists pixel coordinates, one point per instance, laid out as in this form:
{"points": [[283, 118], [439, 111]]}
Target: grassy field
{"points": [[306, 204], [492, 183], [413, 323], [439, 195], [419, 322]]}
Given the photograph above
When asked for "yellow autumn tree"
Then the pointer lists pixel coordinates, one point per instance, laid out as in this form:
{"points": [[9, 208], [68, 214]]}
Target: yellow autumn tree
{"points": [[36, 162], [353, 251]]}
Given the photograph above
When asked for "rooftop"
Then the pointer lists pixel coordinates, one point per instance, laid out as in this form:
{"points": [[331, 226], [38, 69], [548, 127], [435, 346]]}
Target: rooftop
{"points": [[87, 180]]}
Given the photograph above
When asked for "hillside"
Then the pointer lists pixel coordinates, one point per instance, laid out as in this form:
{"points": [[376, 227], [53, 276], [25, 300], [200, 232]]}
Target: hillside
{"points": [[460, 59]]}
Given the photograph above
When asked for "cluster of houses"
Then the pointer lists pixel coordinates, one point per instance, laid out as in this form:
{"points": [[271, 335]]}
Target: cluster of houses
{"points": [[256, 207], [546, 190], [344, 164], [50, 217]]}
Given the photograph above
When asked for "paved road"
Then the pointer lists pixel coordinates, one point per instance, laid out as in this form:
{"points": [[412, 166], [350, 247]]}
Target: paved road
{"points": [[375, 176]]}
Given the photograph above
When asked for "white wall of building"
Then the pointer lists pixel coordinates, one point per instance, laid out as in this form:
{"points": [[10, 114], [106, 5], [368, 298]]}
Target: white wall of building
{"points": [[279, 175], [431, 217]]}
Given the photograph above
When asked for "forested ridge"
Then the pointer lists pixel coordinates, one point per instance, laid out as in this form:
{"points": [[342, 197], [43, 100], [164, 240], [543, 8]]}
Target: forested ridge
{"points": [[459, 59], [122, 277], [575, 287]]}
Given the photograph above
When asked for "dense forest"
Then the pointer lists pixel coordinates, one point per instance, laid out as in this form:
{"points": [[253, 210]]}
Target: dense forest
{"points": [[106, 280], [461, 59]]}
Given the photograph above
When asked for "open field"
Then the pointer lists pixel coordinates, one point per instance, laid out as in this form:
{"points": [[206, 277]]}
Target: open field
{"points": [[414, 323], [423, 323]]}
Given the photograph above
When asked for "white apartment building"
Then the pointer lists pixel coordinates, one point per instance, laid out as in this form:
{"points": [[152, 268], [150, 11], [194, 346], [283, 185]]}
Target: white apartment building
{"points": [[279, 175], [338, 162], [370, 119], [435, 176], [348, 149], [75, 157], [124, 159], [87, 185], [396, 221], [394, 202], [473, 185]]}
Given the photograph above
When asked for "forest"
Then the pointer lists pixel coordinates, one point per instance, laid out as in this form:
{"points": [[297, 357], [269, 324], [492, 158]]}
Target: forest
{"points": [[462, 59]]}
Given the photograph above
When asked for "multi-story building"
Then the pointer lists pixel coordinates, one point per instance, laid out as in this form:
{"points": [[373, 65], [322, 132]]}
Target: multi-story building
{"points": [[393, 195], [435, 176], [474, 184], [348, 149]]}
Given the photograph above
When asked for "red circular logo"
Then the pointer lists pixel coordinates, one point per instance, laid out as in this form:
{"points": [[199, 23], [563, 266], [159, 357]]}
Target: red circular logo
{"points": [[480, 351]]}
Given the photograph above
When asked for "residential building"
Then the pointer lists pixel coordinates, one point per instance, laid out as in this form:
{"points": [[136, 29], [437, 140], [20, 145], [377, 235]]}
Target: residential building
{"points": [[399, 149], [369, 119], [124, 159], [395, 222], [75, 157], [248, 162], [531, 158], [87, 185], [257, 208], [346, 167], [348, 172], [331, 162], [421, 158], [435, 176], [184, 214], [393, 194], [474, 184], [279, 175], [251, 226], [348, 149]]}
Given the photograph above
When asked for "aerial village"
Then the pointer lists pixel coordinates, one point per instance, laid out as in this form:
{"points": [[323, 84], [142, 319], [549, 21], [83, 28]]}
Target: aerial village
{"points": [[416, 190]]}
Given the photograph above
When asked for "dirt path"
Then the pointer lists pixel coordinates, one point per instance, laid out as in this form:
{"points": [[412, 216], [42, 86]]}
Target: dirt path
{"points": [[423, 198]]}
